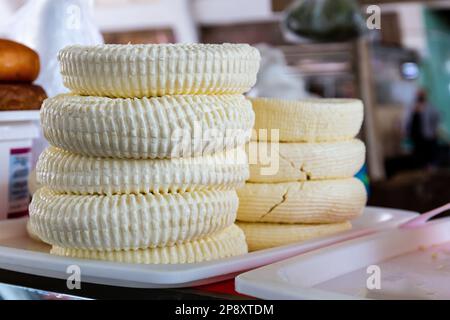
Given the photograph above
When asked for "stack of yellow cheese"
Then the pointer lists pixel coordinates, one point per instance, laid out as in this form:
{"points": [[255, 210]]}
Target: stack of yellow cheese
{"points": [[146, 153], [301, 183]]}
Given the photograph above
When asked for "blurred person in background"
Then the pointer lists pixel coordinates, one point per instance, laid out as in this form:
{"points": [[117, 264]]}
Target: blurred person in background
{"points": [[423, 132]]}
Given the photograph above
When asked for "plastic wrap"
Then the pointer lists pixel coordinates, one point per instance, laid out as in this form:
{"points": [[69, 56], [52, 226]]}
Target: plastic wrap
{"points": [[49, 25], [274, 77]]}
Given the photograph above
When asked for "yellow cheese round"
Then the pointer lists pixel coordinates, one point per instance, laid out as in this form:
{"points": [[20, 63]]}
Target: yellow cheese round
{"points": [[269, 235], [223, 244], [283, 162], [307, 120], [123, 222], [66, 172], [150, 70], [147, 128], [324, 201]]}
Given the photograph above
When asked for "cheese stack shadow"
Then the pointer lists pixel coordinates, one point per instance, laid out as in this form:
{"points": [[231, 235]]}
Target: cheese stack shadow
{"points": [[146, 153], [302, 168]]}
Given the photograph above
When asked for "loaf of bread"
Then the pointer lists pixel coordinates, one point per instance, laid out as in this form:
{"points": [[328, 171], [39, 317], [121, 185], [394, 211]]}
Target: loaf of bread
{"points": [[21, 96], [18, 63]]}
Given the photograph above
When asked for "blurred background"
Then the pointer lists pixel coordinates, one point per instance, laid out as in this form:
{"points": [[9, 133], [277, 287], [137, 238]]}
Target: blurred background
{"points": [[395, 55]]}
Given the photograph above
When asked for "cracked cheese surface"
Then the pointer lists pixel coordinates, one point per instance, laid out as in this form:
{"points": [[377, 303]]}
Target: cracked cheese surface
{"points": [[305, 161], [315, 120], [268, 235], [66, 172], [122, 222], [159, 69], [223, 244], [147, 128], [325, 201]]}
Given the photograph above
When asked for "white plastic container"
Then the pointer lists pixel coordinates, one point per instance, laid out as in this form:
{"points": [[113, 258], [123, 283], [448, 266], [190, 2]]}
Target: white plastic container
{"points": [[17, 131], [393, 264]]}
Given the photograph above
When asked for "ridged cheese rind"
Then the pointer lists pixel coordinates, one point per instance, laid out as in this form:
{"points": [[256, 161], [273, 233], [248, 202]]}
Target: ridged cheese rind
{"points": [[31, 233], [159, 69], [66, 172], [269, 235], [324, 201], [122, 222], [223, 244], [147, 128], [287, 162], [315, 120]]}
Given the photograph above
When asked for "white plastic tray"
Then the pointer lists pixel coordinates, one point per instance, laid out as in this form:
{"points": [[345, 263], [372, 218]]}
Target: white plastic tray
{"points": [[21, 254], [413, 264], [20, 115]]}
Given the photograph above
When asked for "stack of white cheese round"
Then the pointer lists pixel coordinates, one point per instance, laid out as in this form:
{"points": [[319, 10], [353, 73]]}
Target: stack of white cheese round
{"points": [[301, 183], [146, 153]]}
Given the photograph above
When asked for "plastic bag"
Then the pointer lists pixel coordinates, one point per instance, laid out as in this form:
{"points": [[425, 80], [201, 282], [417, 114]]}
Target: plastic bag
{"points": [[325, 20], [274, 80], [47, 26], [6, 10]]}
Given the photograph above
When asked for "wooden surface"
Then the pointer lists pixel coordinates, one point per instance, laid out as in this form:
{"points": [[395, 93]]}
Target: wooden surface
{"points": [[366, 93], [260, 32], [280, 5], [140, 36]]}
